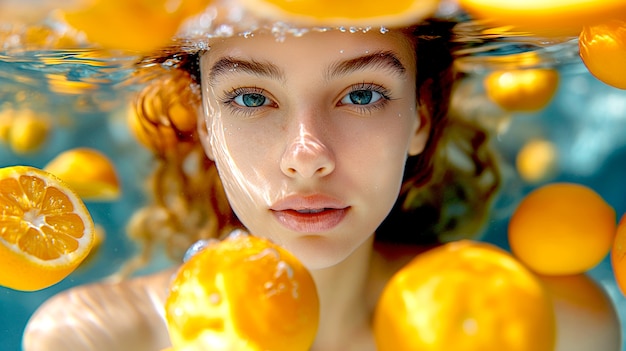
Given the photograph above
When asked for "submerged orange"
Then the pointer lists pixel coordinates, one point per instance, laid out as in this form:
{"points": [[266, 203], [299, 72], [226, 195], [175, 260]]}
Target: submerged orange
{"points": [[346, 12], [603, 51], [45, 229], [89, 172], [550, 18], [243, 293], [135, 25], [524, 90], [562, 229], [464, 296]]}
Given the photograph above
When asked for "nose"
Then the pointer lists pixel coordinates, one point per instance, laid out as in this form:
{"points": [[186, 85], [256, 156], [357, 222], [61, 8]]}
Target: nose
{"points": [[306, 156]]}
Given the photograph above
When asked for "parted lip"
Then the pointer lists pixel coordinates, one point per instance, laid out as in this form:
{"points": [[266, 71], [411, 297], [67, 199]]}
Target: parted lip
{"points": [[308, 203]]}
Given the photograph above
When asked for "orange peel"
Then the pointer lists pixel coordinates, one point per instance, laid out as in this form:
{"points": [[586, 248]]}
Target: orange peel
{"points": [[562, 229], [243, 293], [549, 18], [464, 296], [89, 172], [345, 12]]}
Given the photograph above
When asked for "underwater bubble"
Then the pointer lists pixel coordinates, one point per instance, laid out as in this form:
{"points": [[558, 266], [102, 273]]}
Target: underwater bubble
{"points": [[237, 233], [197, 247]]}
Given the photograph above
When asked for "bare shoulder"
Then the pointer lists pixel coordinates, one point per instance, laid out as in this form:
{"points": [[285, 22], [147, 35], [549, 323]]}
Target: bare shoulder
{"points": [[103, 316]]}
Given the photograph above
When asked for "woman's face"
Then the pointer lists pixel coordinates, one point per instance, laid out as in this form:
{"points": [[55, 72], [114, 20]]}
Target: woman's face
{"points": [[310, 135]]}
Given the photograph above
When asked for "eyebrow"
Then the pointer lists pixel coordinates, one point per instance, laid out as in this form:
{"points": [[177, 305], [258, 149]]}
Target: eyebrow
{"points": [[227, 65], [378, 60]]}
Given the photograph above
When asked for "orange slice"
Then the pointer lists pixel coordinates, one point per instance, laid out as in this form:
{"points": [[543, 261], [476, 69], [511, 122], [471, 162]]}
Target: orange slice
{"points": [[562, 229], [464, 296], [243, 293], [90, 173], [603, 51], [45, 229], [549, 18], [345, 12], [525, 90]]}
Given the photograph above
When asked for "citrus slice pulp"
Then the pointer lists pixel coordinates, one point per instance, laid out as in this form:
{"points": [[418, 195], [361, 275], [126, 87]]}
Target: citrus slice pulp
{"points": [[45, 229]]}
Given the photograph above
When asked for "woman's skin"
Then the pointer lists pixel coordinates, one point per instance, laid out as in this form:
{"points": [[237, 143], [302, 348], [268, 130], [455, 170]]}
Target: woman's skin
{"points": [[310, 136], [318, 164]]}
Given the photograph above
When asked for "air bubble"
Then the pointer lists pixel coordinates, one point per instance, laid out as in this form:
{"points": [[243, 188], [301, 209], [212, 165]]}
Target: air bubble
{"points": [[197, 247]]}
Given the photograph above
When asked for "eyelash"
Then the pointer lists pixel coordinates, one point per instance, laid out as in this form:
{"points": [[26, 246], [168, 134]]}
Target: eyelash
{"points": [[384, 93], [229, 98]]}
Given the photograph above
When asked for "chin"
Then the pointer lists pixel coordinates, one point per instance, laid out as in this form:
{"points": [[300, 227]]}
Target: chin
{"points": [[318, 252]]}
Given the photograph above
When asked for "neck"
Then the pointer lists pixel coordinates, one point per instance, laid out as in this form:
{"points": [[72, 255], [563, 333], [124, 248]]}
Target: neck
{"points": [[344, 308]]}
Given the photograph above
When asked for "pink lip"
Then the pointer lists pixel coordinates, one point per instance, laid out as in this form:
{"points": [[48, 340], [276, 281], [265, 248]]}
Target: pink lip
{"points": [[309, 214]]}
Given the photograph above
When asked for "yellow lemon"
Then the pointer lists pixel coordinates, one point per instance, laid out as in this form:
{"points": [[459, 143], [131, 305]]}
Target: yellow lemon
{"points": [[45, 229], [89, 172], [28, 132], [464, 296], [561, 229], [525, 90], [346, 12], [603, 51], [550, 18], [243, 293]]}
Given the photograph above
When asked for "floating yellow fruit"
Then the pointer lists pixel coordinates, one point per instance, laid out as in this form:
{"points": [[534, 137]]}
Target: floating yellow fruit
{"points": [[45, 229], [561, 229], [346, 12], [526, 90], [545, 17], [90, 173], [464, 296], [28, 132], [243, 293], [618, 255], [603, 51], [536, 161], [135, 25]]}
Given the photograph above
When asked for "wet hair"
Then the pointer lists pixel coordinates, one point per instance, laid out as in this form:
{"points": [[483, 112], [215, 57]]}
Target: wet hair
{"points": [[446, 189]]}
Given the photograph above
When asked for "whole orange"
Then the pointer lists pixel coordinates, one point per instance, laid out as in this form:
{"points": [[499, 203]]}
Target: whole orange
{"points": [[464, 296], [524, 90], [561, 229], [243, 293], [603, 51]]}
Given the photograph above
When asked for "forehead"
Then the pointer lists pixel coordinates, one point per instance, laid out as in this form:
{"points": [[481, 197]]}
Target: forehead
{"points": [[315, 48]]}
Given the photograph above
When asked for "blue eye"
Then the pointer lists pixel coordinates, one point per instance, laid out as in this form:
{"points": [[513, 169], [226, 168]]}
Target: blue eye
{"points": [[361, 97], [251, 100]]}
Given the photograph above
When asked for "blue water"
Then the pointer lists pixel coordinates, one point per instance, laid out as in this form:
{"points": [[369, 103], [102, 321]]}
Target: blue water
{"points": [[586, 121]]}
